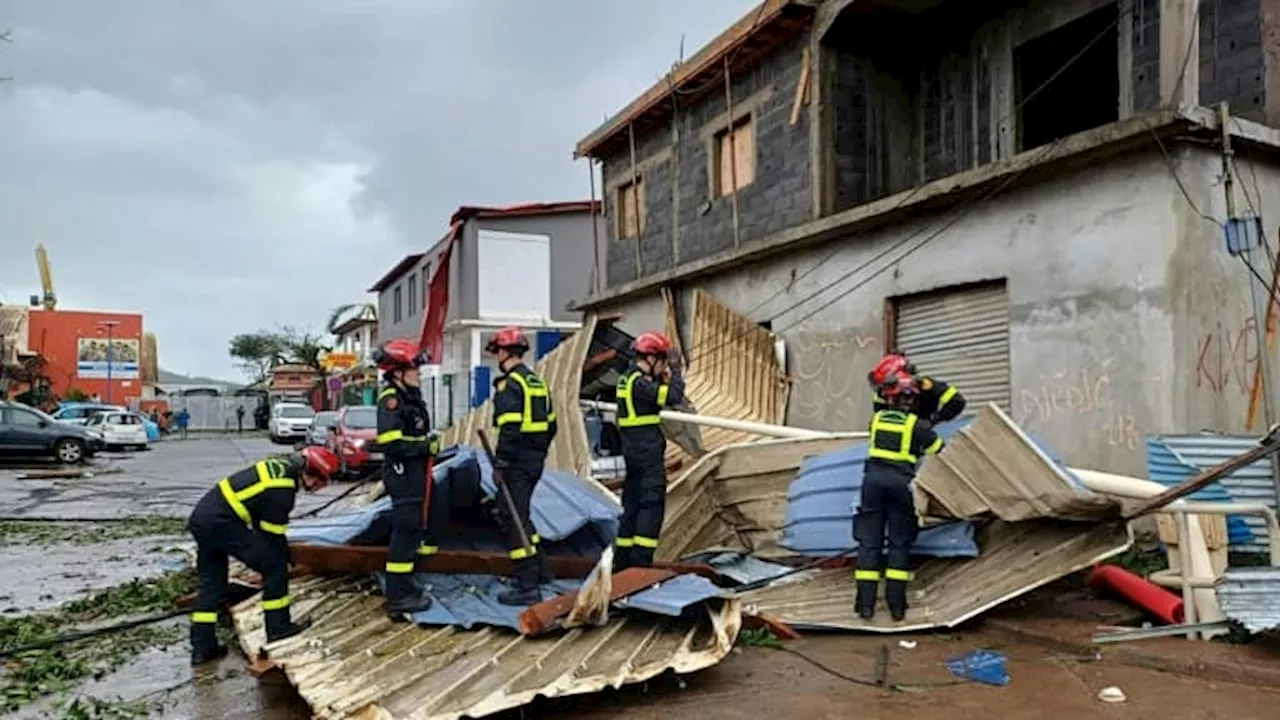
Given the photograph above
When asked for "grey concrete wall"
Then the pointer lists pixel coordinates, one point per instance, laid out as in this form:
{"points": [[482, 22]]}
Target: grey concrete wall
{"points": [[573, 254], [683, 220], [1232, 65], [410, 325], [1105, 324]]}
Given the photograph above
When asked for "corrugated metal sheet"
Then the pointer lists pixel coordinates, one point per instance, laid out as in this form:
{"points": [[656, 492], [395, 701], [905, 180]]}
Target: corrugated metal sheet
{"points": [[1251, 597], [733, 373], [355, 663], [673, 597], [13, 331], [1171, 459], [962, 336], [990, 468], [739, 567]]}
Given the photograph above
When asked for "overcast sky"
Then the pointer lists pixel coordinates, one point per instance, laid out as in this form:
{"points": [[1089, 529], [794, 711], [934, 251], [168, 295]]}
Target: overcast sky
{"points": [[223, 166]]}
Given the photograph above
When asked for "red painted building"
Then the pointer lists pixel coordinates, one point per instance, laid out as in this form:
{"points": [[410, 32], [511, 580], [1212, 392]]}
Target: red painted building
{"points": [[73, 344]]}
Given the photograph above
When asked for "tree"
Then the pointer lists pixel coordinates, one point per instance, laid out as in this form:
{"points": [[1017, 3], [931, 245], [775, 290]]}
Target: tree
{"points": [[257, 352], [342, 313], [301, 346]]}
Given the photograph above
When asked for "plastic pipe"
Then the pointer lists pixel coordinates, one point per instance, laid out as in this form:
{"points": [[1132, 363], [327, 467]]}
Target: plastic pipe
{"points": [[747, 426], [1140, 591]]}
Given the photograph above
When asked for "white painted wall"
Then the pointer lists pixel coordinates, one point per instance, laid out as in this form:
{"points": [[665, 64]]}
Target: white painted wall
{"points": [[514, 276]]}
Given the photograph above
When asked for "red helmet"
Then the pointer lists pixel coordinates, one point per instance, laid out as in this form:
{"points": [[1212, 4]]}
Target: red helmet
{"points": [[320, 461], [651, 343], [398, 354], [899, 383], [892, 376], [508, 338]]}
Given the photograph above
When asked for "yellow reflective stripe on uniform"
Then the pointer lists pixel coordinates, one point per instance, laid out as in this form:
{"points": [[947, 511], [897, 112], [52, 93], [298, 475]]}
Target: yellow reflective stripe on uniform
{"points": [[277, 604], [233, 502], [529, 391], [645, 542], [866, 575], [522, 553], [887, 421], [934, 446], [624, 542], [535, 538], [428, 549], [399, 567], [663, 391], [947, 396], [272, 527], [877, 399], [892, 574], [393, 435], [629, 417], [267, 480], [204, 617], [386, 392]]}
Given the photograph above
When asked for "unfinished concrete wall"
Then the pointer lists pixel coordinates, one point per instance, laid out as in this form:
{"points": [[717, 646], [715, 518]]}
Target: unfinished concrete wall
{"points": [[1144, 48], [684, 220], [1232, 65]]}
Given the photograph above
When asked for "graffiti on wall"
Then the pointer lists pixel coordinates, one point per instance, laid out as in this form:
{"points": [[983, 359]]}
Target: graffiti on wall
{"points": [[829, 379], [1080, 396], [1227, 357]]}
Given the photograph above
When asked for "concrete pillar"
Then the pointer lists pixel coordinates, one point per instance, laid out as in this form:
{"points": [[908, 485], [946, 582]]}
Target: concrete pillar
{"points": [[1179, 53]]}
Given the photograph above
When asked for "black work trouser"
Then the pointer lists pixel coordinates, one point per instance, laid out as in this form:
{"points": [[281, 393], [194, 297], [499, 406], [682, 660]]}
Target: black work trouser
{"points": [[644, 500], [886, 508], [217, 540], [406, 484], [521, 475]]}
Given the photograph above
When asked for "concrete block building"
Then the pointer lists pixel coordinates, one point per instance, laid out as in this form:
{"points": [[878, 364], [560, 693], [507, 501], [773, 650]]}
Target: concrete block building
{"points": [[1028, 197]]}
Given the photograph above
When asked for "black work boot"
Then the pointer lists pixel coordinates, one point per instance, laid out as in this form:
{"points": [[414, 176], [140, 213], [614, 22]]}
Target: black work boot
{"points": [[544, 572], [204, 644], [524, 586], [865, 602], [895, 596], [405, 596], [280, 626], [621, 559]]}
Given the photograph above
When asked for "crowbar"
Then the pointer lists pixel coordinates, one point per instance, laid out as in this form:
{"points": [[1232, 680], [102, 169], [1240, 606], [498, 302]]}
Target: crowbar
{"points": [[501, 482]]}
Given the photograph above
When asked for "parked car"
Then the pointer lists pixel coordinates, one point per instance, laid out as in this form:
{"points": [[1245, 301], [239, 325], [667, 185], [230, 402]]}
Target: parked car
{"points": [[77, 413], [119, 429], [290, 421], [353, 437], [26, 431], [321, 426]]}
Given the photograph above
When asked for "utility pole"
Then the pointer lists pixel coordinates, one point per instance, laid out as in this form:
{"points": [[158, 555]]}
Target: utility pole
{"points": [[110, 325], [1261, 297]]}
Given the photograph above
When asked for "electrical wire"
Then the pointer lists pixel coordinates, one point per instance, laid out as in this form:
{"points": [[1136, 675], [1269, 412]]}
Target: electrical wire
{"points": [[75, 635]]}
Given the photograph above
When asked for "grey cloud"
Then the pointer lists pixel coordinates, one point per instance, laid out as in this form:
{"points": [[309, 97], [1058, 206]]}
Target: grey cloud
{"points": [[225, 165]]}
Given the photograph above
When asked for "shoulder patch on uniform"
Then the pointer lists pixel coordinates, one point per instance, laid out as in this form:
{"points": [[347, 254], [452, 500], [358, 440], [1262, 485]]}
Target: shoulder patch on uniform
{"points": [[392, 402], [926, 384], [502, 385]]}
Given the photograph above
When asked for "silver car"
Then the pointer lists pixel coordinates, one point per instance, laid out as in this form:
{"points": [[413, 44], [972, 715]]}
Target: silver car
{"points": [[324, 421]]}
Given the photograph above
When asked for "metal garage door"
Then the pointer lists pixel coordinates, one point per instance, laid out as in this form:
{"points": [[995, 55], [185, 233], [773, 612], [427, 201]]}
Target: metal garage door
{"points": [[960, 337]]}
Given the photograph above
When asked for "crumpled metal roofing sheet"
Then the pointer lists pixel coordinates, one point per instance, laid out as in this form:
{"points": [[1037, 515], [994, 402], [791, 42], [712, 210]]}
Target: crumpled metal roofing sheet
{"points": [[1251, 597], [672, 597], [470, 600], [740, 567], [1172, 459], [733, 372], [355, 663]]}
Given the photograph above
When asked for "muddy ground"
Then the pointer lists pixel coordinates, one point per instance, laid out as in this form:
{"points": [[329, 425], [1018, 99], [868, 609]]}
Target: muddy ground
{"points": [[43, 566]]}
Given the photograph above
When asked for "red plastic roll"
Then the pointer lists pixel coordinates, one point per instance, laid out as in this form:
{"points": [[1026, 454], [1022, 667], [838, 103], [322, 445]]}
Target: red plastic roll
{"points": [[1138, 590]]}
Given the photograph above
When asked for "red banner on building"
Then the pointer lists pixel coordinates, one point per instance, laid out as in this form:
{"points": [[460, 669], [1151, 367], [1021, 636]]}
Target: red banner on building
{"points": [[438, 300]]}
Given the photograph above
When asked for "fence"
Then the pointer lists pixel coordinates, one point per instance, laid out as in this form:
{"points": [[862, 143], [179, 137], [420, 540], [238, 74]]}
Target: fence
{"points": [[215, 413], [451, 396]]}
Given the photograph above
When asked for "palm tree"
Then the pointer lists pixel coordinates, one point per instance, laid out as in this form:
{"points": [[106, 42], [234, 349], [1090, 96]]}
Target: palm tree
{"points": [[342, 313]]}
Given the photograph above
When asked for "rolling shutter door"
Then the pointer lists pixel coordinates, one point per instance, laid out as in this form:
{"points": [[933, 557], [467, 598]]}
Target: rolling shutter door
{"points": [[962, 338]]}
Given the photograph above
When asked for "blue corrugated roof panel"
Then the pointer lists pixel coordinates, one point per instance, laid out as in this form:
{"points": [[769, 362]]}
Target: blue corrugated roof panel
{"points": [[739, 567], [821, 501], [1172, 459], [672, 597]]}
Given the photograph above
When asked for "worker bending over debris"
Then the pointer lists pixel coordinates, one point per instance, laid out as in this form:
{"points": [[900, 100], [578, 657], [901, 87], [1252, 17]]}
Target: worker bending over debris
{"points": [[935, 401], [406, 443], [526, 422], [898, 437], [649, 384], [245, 517]]}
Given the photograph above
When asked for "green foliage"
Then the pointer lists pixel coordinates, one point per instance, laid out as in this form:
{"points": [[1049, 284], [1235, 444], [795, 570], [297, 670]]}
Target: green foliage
{"points": [[260, 351], [92, 708], [1142, 562], [76, 395], [55, 533], [759, 637]]}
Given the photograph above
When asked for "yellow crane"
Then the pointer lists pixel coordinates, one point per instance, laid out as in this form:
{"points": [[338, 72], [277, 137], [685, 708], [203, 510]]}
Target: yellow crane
{"points": [[49, 300]]}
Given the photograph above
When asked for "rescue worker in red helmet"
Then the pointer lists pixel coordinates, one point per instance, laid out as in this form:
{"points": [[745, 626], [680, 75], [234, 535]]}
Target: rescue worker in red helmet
{"points": [[649, 384], [897, 439], [526, 422], [406, 442], [935, 401], [245, 517]]}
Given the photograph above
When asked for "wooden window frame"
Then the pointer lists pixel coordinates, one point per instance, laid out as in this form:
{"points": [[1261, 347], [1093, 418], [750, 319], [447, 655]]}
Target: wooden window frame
{"points": [[621, 231], [722, 186]]}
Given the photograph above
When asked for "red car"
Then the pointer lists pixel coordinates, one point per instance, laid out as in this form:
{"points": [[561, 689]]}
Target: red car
{"points": [[352, 439]]}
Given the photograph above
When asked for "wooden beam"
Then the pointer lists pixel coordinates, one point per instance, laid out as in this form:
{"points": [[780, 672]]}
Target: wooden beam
{"points": [[544, 616], [599, 359], [1268, 445], [802, 86]]}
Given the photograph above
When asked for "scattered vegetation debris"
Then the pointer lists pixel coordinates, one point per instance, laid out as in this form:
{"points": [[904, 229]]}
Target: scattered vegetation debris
{"points": [[28, 676], [92, 708], [87, 533], [759, 637], [1142, 562]]}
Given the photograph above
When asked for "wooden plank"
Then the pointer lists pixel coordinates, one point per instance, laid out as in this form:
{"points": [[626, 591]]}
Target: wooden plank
{"points": [[540, 618], [768, 622], [342, 559], [802, 87]]}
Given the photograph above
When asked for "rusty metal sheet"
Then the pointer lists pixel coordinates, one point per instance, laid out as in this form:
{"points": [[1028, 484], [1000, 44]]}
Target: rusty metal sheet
{"points": [[733, 372], [355, 663], [991, 469]]}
